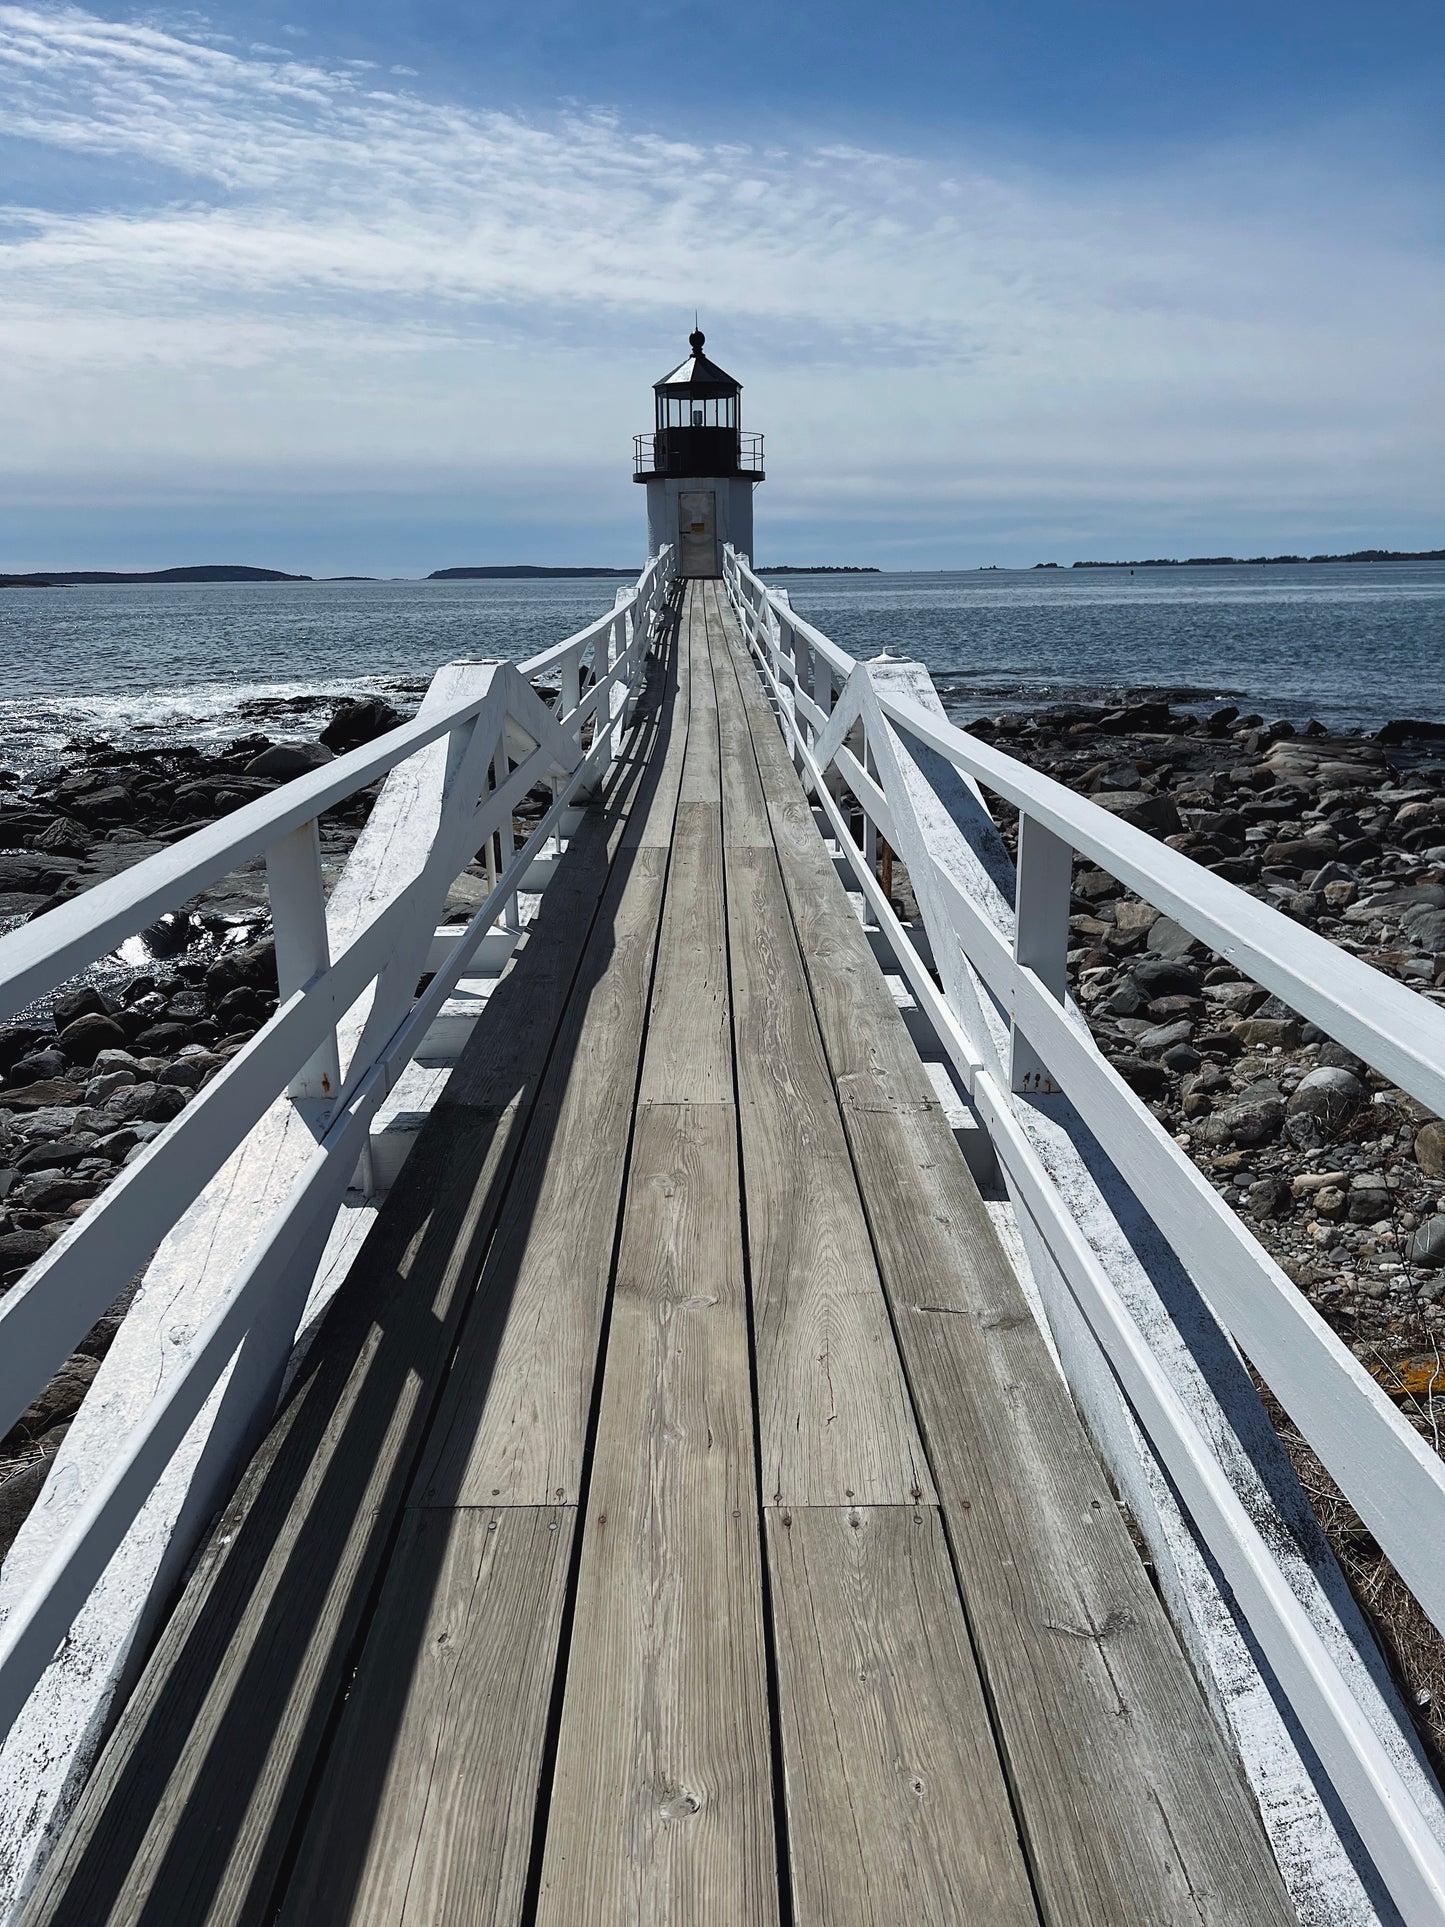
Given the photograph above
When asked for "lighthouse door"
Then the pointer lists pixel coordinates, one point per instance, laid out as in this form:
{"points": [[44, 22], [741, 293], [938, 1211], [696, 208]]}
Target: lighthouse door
{"points": [[697, 531]]}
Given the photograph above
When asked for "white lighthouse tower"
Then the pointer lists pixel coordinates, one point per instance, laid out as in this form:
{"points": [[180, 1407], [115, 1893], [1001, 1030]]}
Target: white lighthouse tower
{"points": [[699, 467]]}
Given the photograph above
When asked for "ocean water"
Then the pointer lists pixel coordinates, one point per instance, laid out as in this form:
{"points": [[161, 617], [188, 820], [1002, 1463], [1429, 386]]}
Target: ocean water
{"points": [[1351, 644]]}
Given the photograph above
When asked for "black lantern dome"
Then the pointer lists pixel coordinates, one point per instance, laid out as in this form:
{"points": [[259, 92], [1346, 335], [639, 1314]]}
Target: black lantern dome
{"points": [[698, 424]]}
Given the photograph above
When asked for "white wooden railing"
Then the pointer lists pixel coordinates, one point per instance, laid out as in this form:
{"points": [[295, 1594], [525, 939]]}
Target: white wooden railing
{"points": [[1000, 1010], [499, 736]]}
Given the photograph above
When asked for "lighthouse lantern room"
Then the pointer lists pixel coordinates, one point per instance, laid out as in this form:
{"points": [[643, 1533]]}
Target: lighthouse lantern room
{"points": [[699, 467]]}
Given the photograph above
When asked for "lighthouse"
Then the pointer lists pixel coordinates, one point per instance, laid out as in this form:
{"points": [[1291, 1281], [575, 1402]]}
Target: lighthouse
{"points": [[699, 468]]}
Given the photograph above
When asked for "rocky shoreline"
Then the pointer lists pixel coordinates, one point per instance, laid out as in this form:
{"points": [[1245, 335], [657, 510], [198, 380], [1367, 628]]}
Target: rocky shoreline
{"points": [[1340, 1175], [90, 1076]]}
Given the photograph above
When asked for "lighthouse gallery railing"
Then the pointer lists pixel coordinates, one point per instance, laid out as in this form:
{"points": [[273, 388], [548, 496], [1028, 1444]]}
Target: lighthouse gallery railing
{"points": [[1000, 1009], [502, 737]]}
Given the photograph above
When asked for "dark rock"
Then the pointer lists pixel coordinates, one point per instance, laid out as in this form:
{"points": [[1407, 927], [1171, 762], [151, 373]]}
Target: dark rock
{"points": [[1426, 928], [159, 1038], [187, 1007], [68, 1005], [252, 965], [1162, 978], [1430, 1148], [1181, 1057], [1218, 1043], [1322, 1105], [168, 934], [64, 836], [286, 760], [356, 722], [44, 1094], [1406, 729], [60, 1400], [88, 1035], [19, 1248], [1164, 1036], [1270, 1198], [57, 1154], [1369, 1200], [113, 804], [1154, 813], [1148, 1080], [38, 874], [1275, 1033], [1427, 1245], [18, 1042], [1169, 939], [165, 1102]]}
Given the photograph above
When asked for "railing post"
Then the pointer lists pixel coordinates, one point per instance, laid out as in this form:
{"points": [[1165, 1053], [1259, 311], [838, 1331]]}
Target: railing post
{"points": [[571, 681], [506, 840], [298, 921], [1041, 935]]}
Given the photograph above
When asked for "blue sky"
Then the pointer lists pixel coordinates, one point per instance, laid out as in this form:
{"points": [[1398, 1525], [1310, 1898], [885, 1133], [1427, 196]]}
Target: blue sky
{"points": [[383, 288]]}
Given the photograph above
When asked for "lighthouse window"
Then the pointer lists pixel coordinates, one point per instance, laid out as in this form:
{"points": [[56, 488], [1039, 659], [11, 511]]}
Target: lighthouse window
{"points": [[688, 411]]}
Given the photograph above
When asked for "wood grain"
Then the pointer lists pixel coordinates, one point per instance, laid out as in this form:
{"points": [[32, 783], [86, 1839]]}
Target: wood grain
{"points": [[689, 1052], [745, 815], [1133, 1809], [701, 775], [834, 1421], [661, 1808], [189, 1812], [423, 1819], [512, 1425], [897, 1807]]}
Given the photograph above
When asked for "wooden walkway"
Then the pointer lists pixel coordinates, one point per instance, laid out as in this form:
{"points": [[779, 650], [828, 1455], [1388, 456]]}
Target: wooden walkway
{"points": [[679, 1520]]}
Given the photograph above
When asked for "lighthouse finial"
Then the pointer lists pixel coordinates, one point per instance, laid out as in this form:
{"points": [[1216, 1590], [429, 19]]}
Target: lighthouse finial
{"points": [[697, 337]]}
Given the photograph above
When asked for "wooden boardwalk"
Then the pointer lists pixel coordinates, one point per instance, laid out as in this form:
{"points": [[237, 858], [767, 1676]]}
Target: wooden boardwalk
{"points": [[680, 1519]]}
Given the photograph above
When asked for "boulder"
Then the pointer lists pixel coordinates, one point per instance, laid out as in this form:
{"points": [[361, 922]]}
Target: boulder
{"points": [[1154, 813], [21, 1248], [44, 1093], [1148, 1080], [1430, 1148], [83, 1040], [287, 760], [1169, 939], [1159, 977], [1274, 1033], [252, 965], [68, 1005], [356, 722], [1322, 1105], [1426, 1247]]}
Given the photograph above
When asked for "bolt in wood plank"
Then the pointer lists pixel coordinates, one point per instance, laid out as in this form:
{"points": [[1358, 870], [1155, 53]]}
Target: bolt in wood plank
{"points": [[190, 1810], [512, 1425], [834, 1419], [423, 1820], [897, 1808], [661, 1807]]}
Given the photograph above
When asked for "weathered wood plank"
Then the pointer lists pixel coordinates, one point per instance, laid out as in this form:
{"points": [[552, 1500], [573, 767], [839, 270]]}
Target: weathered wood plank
{"points": [[661, 1807], [511, 1428], [896, 1802], [835, 1425], [689, 1048], [701, 777], [422, 1819], [745, 815], [191, 1807], [1132, 1807]]}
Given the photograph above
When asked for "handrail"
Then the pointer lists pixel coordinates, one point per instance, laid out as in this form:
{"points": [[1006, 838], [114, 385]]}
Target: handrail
{"points": [[862, 722], [501, 739]]}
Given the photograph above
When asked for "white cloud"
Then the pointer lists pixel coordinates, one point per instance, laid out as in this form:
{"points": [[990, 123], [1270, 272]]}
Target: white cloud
{"points": [[338, 278]]}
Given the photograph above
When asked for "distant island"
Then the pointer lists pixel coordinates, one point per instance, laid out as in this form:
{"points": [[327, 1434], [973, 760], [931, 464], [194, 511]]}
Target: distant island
{"points": [[1252, 561], [819, 568], [205, 572], [519, 572]]}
